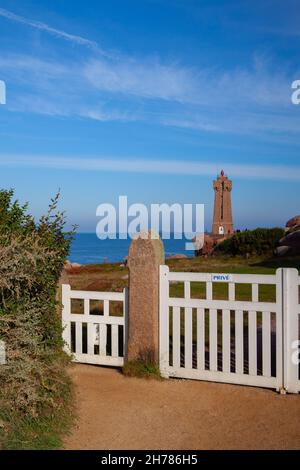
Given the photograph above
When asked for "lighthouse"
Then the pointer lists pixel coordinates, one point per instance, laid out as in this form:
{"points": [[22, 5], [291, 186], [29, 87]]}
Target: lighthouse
{"points": [[222, 223]]}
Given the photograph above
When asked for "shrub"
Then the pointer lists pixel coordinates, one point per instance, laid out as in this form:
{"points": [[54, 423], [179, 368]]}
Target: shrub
{"points": [[33, 382], [141, 369], [261, 241]]}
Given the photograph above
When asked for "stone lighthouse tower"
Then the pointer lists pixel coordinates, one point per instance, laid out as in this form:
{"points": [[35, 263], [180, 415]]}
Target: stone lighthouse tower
{"points": [[222, 223]]}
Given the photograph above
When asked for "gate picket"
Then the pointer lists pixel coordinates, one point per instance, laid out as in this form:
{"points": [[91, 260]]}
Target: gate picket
{"points": [[213, 340], [239, 342], [266, 343], [226, 340], [176, 337], [188, 338], [103, 339], [91, 337], [114, 340], [78, 337], [252, 342], [200, 339]]}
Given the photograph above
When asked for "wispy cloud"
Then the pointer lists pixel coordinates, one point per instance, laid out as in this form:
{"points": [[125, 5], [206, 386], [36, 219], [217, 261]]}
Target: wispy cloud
{"points": [[252, 99], [169, 167], [148, 78], [48, 29], [256, 102], [256, 85]]}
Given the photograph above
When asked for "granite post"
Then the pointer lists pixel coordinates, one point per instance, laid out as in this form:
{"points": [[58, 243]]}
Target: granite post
{"points": [[146, 254]]}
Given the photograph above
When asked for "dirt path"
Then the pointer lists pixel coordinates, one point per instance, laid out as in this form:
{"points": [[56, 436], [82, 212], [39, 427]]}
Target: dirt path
{"points": [[116, 412]]}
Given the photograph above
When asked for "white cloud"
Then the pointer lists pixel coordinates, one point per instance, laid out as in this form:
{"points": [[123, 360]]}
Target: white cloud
{"points": [[170, 167], [149, 79], [104, 116], [2, 92], [85, 90], [255, 86], [44, 27], [253, 99], [106, 90], [256, 122]]}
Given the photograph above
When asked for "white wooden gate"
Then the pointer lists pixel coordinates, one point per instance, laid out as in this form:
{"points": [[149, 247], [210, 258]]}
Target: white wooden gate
{"points": [[249, 342], [93, 330]]}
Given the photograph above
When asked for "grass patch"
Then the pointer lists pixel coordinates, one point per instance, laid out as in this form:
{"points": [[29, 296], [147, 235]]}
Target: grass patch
{"points": [[42, 432], [237, 264], [142, 369]]}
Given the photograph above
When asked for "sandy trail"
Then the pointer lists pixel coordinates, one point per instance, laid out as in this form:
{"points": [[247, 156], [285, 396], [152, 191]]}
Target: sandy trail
{"points": [[116, 412]]}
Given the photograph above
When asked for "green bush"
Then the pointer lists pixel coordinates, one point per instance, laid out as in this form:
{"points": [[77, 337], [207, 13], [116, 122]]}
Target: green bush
{"points": [[33, 383], [141, 369], [261, 241]]}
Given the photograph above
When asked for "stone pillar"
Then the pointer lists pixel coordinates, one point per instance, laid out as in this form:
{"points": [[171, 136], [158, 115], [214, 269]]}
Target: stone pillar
{"points": [[146, 254]]}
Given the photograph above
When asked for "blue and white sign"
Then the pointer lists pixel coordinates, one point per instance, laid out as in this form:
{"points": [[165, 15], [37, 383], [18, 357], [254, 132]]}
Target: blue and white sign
{"points": [[221, 277]]}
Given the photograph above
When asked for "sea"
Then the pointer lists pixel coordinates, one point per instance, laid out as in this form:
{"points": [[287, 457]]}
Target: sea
{"points": [[87, 248]]}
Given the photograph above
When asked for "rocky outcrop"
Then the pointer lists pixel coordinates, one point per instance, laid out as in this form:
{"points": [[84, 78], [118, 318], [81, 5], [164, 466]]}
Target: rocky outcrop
{"points": [[69, 266], [282, 250], [210, 241], [290, 243], [293, 222], [177, 256]]}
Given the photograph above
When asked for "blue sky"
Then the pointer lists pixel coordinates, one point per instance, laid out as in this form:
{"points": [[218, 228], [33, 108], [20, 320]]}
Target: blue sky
{"points": [[175, 90]]}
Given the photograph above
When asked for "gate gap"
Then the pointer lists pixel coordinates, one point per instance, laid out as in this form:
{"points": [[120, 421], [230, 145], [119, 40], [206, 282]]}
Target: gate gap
{"points": [[121, 340], [84, 338], [232, 341], [259, 342], [170, 314], [108, 340], [246, 342], [182, 334], [194, 338], [73, 345], [220, 290], [206, 330], [273, 345]]}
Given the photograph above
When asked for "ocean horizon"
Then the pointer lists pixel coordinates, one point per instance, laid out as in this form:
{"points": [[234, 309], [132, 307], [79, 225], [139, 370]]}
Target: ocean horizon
{"points": [[87, 248]]}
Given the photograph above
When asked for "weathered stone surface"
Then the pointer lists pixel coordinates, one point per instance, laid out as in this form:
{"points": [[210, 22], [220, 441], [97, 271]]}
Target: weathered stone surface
{"points": [[146, 254], [177, 256], [294, 228], [282, 250], [293, 221], [70, 266], [291, 238], [209, 243]]}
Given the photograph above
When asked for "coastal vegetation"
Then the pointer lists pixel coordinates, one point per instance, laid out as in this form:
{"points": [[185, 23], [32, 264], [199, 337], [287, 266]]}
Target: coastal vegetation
{"points": [[258, 242], [35, 391]]}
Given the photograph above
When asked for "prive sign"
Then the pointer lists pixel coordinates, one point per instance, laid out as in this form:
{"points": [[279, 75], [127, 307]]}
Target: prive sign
{"points": [[221, 278]]}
